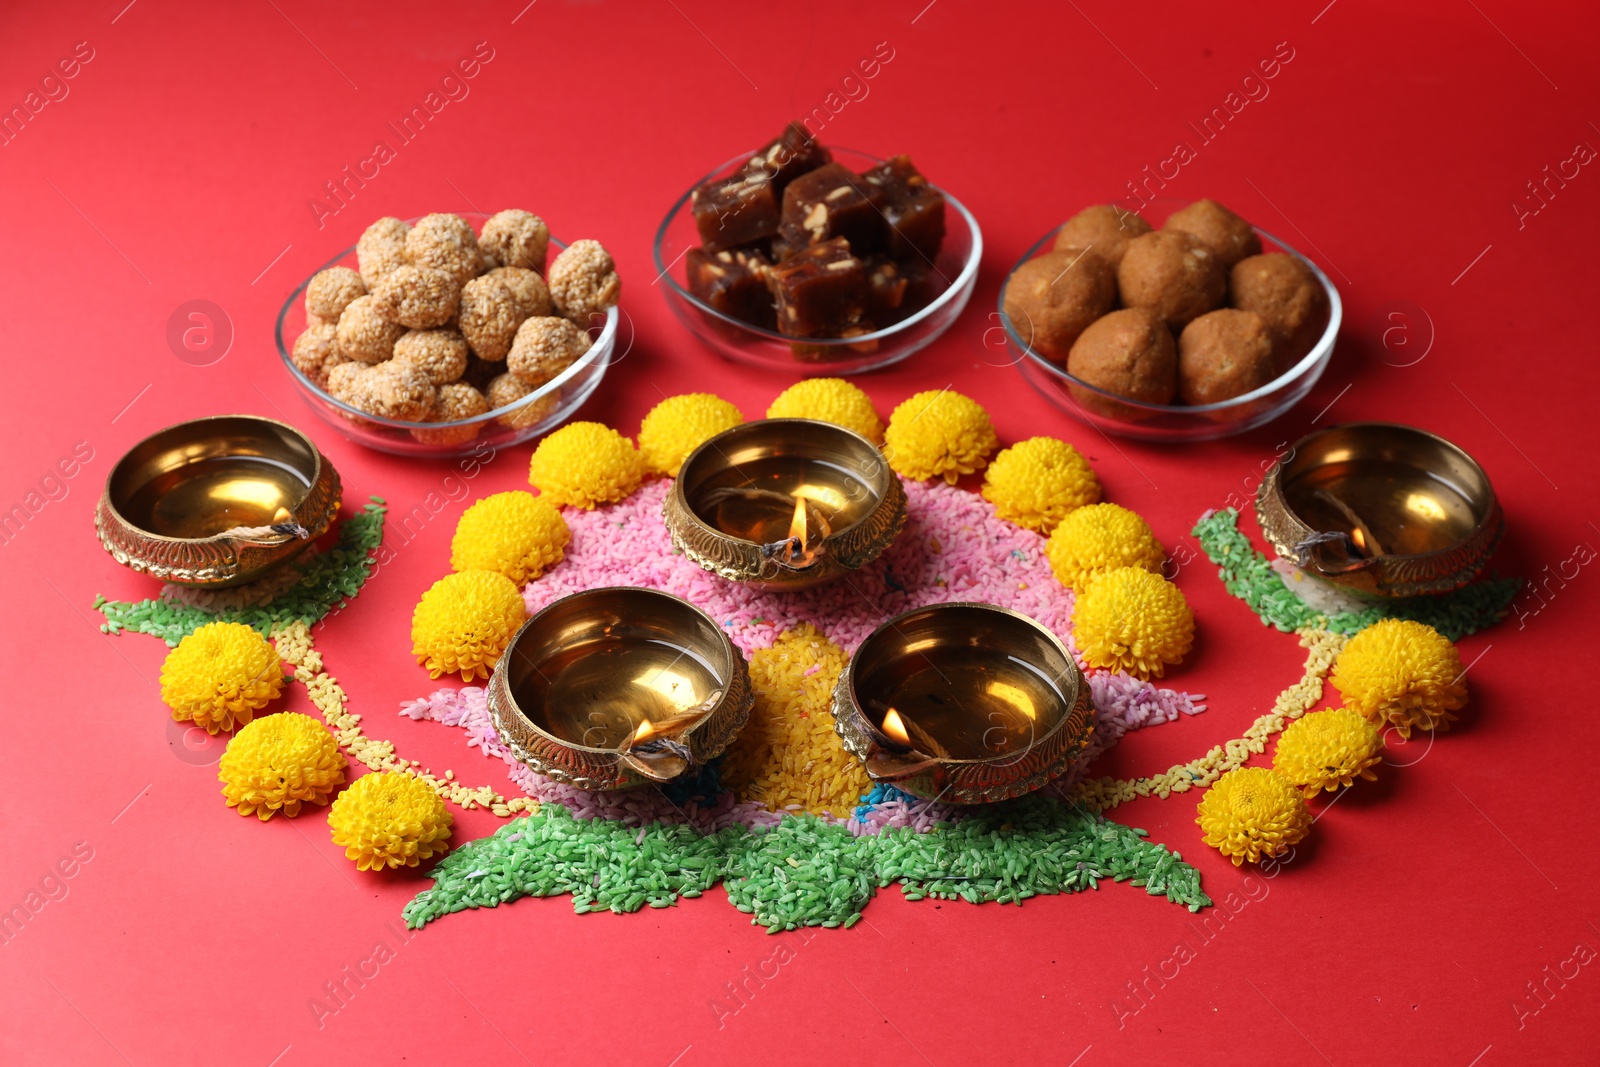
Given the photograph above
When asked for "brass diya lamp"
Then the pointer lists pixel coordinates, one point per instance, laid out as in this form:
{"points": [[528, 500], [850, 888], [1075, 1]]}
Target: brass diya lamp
{"points": [[613, 688], [217, 501], [783, 504], [966, 703], [1381, 510]]}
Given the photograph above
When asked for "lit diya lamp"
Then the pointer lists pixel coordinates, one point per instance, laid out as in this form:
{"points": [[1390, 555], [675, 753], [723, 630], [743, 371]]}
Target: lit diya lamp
{"points": [[965, 703], [217, 501], [1381, 510], [619, 687], [785, 503]]}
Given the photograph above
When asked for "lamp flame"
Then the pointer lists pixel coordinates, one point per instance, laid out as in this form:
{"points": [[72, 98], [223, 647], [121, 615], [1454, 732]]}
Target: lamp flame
{"points": [[895, 727], [797, 528], [1360, 540]]}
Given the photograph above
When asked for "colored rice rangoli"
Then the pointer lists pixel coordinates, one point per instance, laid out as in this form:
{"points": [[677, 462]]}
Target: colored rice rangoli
{"points": [[786, 819]]}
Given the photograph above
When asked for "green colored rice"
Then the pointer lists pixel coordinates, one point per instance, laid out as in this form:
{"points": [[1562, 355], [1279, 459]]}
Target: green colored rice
{"points": [[805, 871]]}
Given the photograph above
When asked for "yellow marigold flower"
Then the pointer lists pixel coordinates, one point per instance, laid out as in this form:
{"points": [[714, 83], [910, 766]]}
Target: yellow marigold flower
{"points": [[1036, 482], [679, 425], [939, 434], [1134, 621], [1327, 749], [830, 400], [464, 622], [1097, 538], [220, 676], [586, 464], [390, 820], [1251, 812], [1402, 672], [515, 534], [279, 761]]}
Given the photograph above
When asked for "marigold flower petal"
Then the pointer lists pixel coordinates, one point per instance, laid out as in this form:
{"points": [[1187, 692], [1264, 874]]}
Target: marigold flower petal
{"points": [[1037, 482], [584, 465], [939, 434], [1328, 749], [464, 622], [515, 534], [830, 400], [679, 425], [390, 820], [1403, 673], [1097, 538], [1133, 621], [1252, 813], [277, 762], [220, 676]]}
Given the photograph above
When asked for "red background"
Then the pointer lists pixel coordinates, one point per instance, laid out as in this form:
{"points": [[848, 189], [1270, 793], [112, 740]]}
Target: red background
{"points": [[1391, 149]]}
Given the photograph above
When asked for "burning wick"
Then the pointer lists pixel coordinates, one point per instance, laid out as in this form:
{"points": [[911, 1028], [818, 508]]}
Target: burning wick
{"points": [[1361, 535], [895, 727], [898, 729]]}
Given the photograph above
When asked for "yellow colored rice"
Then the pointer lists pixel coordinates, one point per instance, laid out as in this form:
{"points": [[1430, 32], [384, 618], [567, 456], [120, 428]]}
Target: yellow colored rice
{"points": [[788, 754]]}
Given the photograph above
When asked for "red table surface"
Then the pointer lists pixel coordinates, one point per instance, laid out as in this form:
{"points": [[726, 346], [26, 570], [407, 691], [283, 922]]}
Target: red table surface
{"points": [[1393, 145]]}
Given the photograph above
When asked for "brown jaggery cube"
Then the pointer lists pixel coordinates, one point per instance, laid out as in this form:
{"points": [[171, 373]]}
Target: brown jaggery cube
{"points": [[1053, 298], [793, 153], [820, 291], [544, 347], [1281, 289], [527, 289], [417, 297], [364, 335], [399, 391], [831, 202], [1224, 354], [330, 291], [440, 354], [912, 208], [733, 283], [1103, 227], [381, 248], [1129, 353], [735, 211], [584, 282], [456, 401], [1229, 236], [445, 242], [489, 317], [508, 389], [1174, 274], [315, 353], [514, 238]]}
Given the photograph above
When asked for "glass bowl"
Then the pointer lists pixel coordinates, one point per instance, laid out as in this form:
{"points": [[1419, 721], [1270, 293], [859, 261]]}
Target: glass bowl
{"points": [[1174, 422], [956, 265], [572, 386]]}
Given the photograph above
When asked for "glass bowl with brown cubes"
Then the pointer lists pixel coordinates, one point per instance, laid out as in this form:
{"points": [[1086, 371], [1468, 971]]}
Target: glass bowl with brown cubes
{"points": [[817, 259], [452, 333], [1169, 321]]}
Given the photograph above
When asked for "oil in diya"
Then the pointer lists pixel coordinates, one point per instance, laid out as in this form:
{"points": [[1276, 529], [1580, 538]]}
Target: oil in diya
{"points": [[613, 688], [217, 494], [784, 503], [217, 501], [966, 703], [1381, 510], [613, 693]]}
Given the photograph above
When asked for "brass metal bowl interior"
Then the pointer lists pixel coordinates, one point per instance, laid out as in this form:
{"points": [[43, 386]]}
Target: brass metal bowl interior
{"points": [[733, 502], [617, 687], [966, 703], [1381, 509], [197, 503]]}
